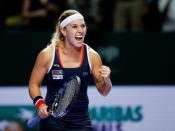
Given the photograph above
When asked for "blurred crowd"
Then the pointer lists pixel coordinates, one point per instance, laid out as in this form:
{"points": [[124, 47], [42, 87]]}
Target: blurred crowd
{"points": [[102, 15]]}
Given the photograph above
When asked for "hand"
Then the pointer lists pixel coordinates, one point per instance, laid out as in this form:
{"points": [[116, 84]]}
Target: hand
{"points": [[105, 72], [106, 82], [42, 111]]}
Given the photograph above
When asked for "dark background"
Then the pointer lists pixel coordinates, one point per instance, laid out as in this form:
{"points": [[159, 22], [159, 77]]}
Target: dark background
{"points": [[143, 59]]}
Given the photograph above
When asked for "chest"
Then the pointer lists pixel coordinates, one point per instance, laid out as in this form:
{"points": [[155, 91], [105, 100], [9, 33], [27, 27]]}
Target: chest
{"points": [[68, 61], [64, 66]]}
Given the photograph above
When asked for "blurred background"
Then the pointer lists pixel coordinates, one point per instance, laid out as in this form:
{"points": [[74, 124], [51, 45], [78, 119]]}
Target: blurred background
{"points": [[134, 37]]}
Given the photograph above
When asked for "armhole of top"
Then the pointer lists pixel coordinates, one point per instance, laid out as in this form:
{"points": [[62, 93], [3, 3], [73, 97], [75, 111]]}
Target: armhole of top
{"points": [[53, 56], [87, 51]]}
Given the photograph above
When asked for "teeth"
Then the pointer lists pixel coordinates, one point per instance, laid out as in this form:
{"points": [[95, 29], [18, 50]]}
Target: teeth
{"points": [[78, 38]]}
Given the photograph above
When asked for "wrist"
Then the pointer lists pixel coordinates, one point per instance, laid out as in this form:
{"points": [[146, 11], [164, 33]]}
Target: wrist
{"points": [[38, 101], [107, 82]]}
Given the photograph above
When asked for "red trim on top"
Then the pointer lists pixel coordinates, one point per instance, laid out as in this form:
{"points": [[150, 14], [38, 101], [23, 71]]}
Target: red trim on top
{"points": [[82, 58], [81, 62]]}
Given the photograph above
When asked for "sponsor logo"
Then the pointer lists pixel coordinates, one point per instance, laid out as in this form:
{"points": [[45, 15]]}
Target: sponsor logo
{"points": [[85, 73], [56, 65], [114, 118], [57, 74]]}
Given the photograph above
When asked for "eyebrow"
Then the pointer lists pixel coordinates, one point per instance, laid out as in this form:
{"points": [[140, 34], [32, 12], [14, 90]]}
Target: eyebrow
{"points": [[77, 24]]}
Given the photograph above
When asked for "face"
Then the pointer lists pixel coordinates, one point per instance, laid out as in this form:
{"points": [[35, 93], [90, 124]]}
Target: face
{"points": [[75, 32]]}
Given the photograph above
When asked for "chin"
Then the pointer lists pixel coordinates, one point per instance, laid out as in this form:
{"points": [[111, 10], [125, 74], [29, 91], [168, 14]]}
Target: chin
{"points": [[79, 44]]}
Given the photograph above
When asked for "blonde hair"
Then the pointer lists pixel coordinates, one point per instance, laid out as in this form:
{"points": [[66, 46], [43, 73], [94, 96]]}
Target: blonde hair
{"points": [[57, 35]]}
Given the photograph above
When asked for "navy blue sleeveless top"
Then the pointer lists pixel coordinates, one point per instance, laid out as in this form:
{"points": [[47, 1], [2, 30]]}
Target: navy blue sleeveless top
{"points": [[78, 116]]}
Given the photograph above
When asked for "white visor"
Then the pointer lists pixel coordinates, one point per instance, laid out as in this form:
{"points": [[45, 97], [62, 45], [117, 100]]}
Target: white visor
{"points": [[71, 18]]}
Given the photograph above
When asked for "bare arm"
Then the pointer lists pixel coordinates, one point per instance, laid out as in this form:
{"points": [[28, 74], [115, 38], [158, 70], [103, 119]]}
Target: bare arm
{"points": [[101, 73], [37, 75], [39, 70]]}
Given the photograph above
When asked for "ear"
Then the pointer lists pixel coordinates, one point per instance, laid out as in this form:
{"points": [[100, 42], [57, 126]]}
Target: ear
{"points": [[63, 31]]}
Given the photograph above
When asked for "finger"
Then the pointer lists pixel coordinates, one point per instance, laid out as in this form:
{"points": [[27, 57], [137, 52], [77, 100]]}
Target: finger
{"points": [[43, 112], [105, 68]]}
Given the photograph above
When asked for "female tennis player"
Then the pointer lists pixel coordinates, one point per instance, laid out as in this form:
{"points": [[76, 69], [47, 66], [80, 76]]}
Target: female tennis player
{"points": [[67, 55]]}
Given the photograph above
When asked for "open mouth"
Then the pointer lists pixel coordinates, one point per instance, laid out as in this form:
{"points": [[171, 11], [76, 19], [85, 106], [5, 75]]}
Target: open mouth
{"points": [[79, 38]]}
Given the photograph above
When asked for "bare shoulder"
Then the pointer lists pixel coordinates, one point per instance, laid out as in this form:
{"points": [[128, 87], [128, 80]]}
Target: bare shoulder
{"points": [[45, 54], [94, 56], [92, 52]]}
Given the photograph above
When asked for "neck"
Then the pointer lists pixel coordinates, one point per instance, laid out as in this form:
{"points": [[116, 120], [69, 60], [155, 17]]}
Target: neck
{"points": [[70, 50]]}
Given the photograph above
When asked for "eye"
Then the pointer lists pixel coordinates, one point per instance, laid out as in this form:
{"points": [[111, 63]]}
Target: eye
{"points": [[74, 26], [83, 25]]}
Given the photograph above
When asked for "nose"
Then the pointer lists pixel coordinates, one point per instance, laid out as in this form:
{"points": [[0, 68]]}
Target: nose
{"points": [[80, 29]]}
